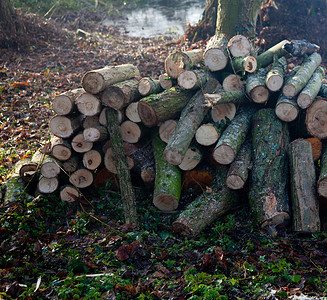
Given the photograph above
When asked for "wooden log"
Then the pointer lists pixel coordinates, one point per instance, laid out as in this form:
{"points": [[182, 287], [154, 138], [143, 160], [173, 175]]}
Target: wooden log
{"points": [[48, 185], [239, 45], [215, 56], [168, 180], [178, 61], [90, 121], [300, 47], [322, 180], [103, 120], [192, 79], [238, 172], [191, 159], [295, 84], [275, 77], [232, 83], [71, 165], [119, 95], [222, 113], [80, 145], [256, 88], [189, 121], [110, 163], [233, 137], [88, 104], [92, 159], [64, 104], [303, 187], [286, 109], [64, 126], [81, 178], [157, 108], [50, 167], [69, 193], [208, 134], [316, 116], [61, 149], [96, 81], [166, 82], [166, 129], [126, 188], [312, 88], [323, 91], [267, 57], [26, 169], [95, 134], [132, 132], [148, 86], [244, 64], [207, 207], [268, 195], [132, 113]]}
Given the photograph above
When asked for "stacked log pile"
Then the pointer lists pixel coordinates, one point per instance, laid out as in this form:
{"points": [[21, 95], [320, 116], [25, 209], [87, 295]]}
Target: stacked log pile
{"points": [[224, 109]]}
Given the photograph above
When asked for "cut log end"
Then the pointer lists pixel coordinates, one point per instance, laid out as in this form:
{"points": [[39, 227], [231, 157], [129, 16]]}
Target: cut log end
{"points": [[289, 90], [92, 82], [233, 83], [274, 83], [250, 64], [206, 135], [131, 112], [166, 130], [222, 112], [165, 202], [144, 87], [239, 45], [50, 169], [172, 157], [224, 155], [69, 194], [191, 159], [286, 112], [92, 159], [113, 97], [165, 81], [304, 100], [215, 59], [316, 117], [187, 80], [62, 105], [259, 94], [130, 132], [81, 178], [88, 104], [322, 187], [280, 218], [235, 182], [147, 114], [48, 185]]}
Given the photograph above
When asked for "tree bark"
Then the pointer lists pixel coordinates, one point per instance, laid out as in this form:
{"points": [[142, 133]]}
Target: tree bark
{"points": [[323, 91], [207, 207], [268, 195], [303, 187], [168, 181], [91, 121], [322, 182], [96, 81]]}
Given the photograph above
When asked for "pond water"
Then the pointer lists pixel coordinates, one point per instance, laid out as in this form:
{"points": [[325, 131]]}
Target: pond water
{"points": [[160, 17]]}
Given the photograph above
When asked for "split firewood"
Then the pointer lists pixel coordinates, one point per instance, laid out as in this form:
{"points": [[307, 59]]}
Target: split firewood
{"points": [[121, 94], [179, 61], [95, 134], [303, 187], [166, 129], [61, 149], [275, 77], [315, 119], [69, 193], [91, 121], [322, 181], [189, 121], [239, 45], [81, 178], [208, 134], [92, 159], [132, 113], [191, 159], [88, 104], [166, 82], [48, 185], [232, 83], [64, 104], [312, 88], [148, 86], [96, 81], [157, 108], [206, 208], [239, 169], [300, 47], [168, 180], [64, 126], [256, 87], [268, 195], [215, 56], [126, 189], [192, 79], [287, 109], [103, 120], [295, 84], [71, 165], [316, 146], [267, 57], [80, 145], [222, 113], [50, 167], [233, 137], [244, 64]]}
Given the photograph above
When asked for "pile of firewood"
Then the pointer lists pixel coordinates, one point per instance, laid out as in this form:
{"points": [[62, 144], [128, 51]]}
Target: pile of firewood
{"points": [[219, 118]]}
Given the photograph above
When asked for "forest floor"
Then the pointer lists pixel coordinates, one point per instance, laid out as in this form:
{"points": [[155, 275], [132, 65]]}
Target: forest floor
{"points": [[53, 250]]}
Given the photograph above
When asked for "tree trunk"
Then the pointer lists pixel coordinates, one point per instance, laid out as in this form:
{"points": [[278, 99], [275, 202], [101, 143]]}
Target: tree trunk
{"points": [[268, 196], [303, 187], [207, 207]]}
